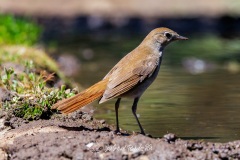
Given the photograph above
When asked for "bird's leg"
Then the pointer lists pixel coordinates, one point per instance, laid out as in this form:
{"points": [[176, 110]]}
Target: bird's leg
{"points": [[134, 109], [116, 111]]}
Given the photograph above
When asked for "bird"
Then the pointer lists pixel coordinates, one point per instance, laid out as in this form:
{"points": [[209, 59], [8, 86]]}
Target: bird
{"points": [[129, 78]]}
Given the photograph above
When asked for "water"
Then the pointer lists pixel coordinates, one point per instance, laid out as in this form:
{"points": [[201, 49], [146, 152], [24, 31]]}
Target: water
{"points": [[203, 106]]}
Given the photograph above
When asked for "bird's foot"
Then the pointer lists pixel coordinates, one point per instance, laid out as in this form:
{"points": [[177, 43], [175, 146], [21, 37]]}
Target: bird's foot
{"points": [[124, 133], [143, 133], [149, 135], [117, 131]]}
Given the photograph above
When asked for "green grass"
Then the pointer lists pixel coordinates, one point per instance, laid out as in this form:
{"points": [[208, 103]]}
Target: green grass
{"points": [[31, 98], [28, 74], [14, 30], [29, 82]]}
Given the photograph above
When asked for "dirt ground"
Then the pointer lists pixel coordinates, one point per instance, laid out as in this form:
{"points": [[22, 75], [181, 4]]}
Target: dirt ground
{"points": [[79, 136]]}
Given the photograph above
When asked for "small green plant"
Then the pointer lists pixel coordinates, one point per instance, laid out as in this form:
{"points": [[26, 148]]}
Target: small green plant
{"points": [[16, 30], [31, 98]]}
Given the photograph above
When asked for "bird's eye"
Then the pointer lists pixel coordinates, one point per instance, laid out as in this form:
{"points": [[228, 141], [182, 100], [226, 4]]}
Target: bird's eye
{"points": [[168, 35]]}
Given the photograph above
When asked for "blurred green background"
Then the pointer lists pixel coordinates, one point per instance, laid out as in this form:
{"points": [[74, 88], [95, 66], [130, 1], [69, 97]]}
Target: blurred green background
{"points": [[196, 94]]}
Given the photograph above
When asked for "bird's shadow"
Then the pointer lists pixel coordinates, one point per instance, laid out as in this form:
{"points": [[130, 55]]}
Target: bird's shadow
{"points": [[83, 128]]}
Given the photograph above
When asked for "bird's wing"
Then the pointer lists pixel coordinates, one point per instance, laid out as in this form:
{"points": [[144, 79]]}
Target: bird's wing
{"points": [[124, 78]]}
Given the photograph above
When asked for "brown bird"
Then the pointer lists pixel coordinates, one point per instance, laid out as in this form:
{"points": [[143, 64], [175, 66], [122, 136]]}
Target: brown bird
{"points": [[130, 77]]}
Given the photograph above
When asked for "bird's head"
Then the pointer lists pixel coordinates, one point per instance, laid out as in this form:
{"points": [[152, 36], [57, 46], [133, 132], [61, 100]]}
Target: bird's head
{"points": [[161, 37]]}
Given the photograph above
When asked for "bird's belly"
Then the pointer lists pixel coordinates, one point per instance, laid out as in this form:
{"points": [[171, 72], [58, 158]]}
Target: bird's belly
{"points": [[138, 90]]}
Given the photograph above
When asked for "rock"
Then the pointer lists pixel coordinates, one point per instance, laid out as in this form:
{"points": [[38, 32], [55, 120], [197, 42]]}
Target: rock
{"points": [[170, 137]]}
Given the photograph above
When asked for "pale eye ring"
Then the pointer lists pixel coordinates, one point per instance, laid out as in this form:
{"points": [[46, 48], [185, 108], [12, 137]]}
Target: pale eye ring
{"points": [[168, 35]]}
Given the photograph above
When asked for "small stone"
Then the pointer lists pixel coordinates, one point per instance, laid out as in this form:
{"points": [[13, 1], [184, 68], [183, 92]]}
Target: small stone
{"points": [[89, 145], [170, 137]]}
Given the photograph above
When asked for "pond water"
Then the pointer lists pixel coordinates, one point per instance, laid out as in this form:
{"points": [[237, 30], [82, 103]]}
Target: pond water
{"points": [[202, 106]]}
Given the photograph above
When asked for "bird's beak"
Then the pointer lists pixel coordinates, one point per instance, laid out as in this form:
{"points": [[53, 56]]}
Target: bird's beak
{"points": [[178, 37]]}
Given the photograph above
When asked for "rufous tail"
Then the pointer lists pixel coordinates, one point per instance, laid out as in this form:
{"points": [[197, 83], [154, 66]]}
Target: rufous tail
{"points": [[81, 99]]}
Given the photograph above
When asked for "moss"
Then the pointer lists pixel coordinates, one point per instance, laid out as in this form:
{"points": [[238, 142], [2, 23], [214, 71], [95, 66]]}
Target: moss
{"points": [[21, 54]]}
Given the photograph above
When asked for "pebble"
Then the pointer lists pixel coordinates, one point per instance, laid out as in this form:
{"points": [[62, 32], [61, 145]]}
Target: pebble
{"points": [[170, 137], [89, 145]]}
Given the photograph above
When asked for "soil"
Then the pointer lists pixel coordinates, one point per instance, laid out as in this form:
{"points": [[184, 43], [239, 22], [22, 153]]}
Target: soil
{"points": [[80, 136]]}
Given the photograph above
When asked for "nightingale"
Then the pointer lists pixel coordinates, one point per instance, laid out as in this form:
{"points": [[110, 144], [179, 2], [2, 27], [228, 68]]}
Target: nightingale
{"points": [[129, 78]]}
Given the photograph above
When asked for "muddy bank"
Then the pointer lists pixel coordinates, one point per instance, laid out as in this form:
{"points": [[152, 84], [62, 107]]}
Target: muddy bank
{"points": [[80, 136]]}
